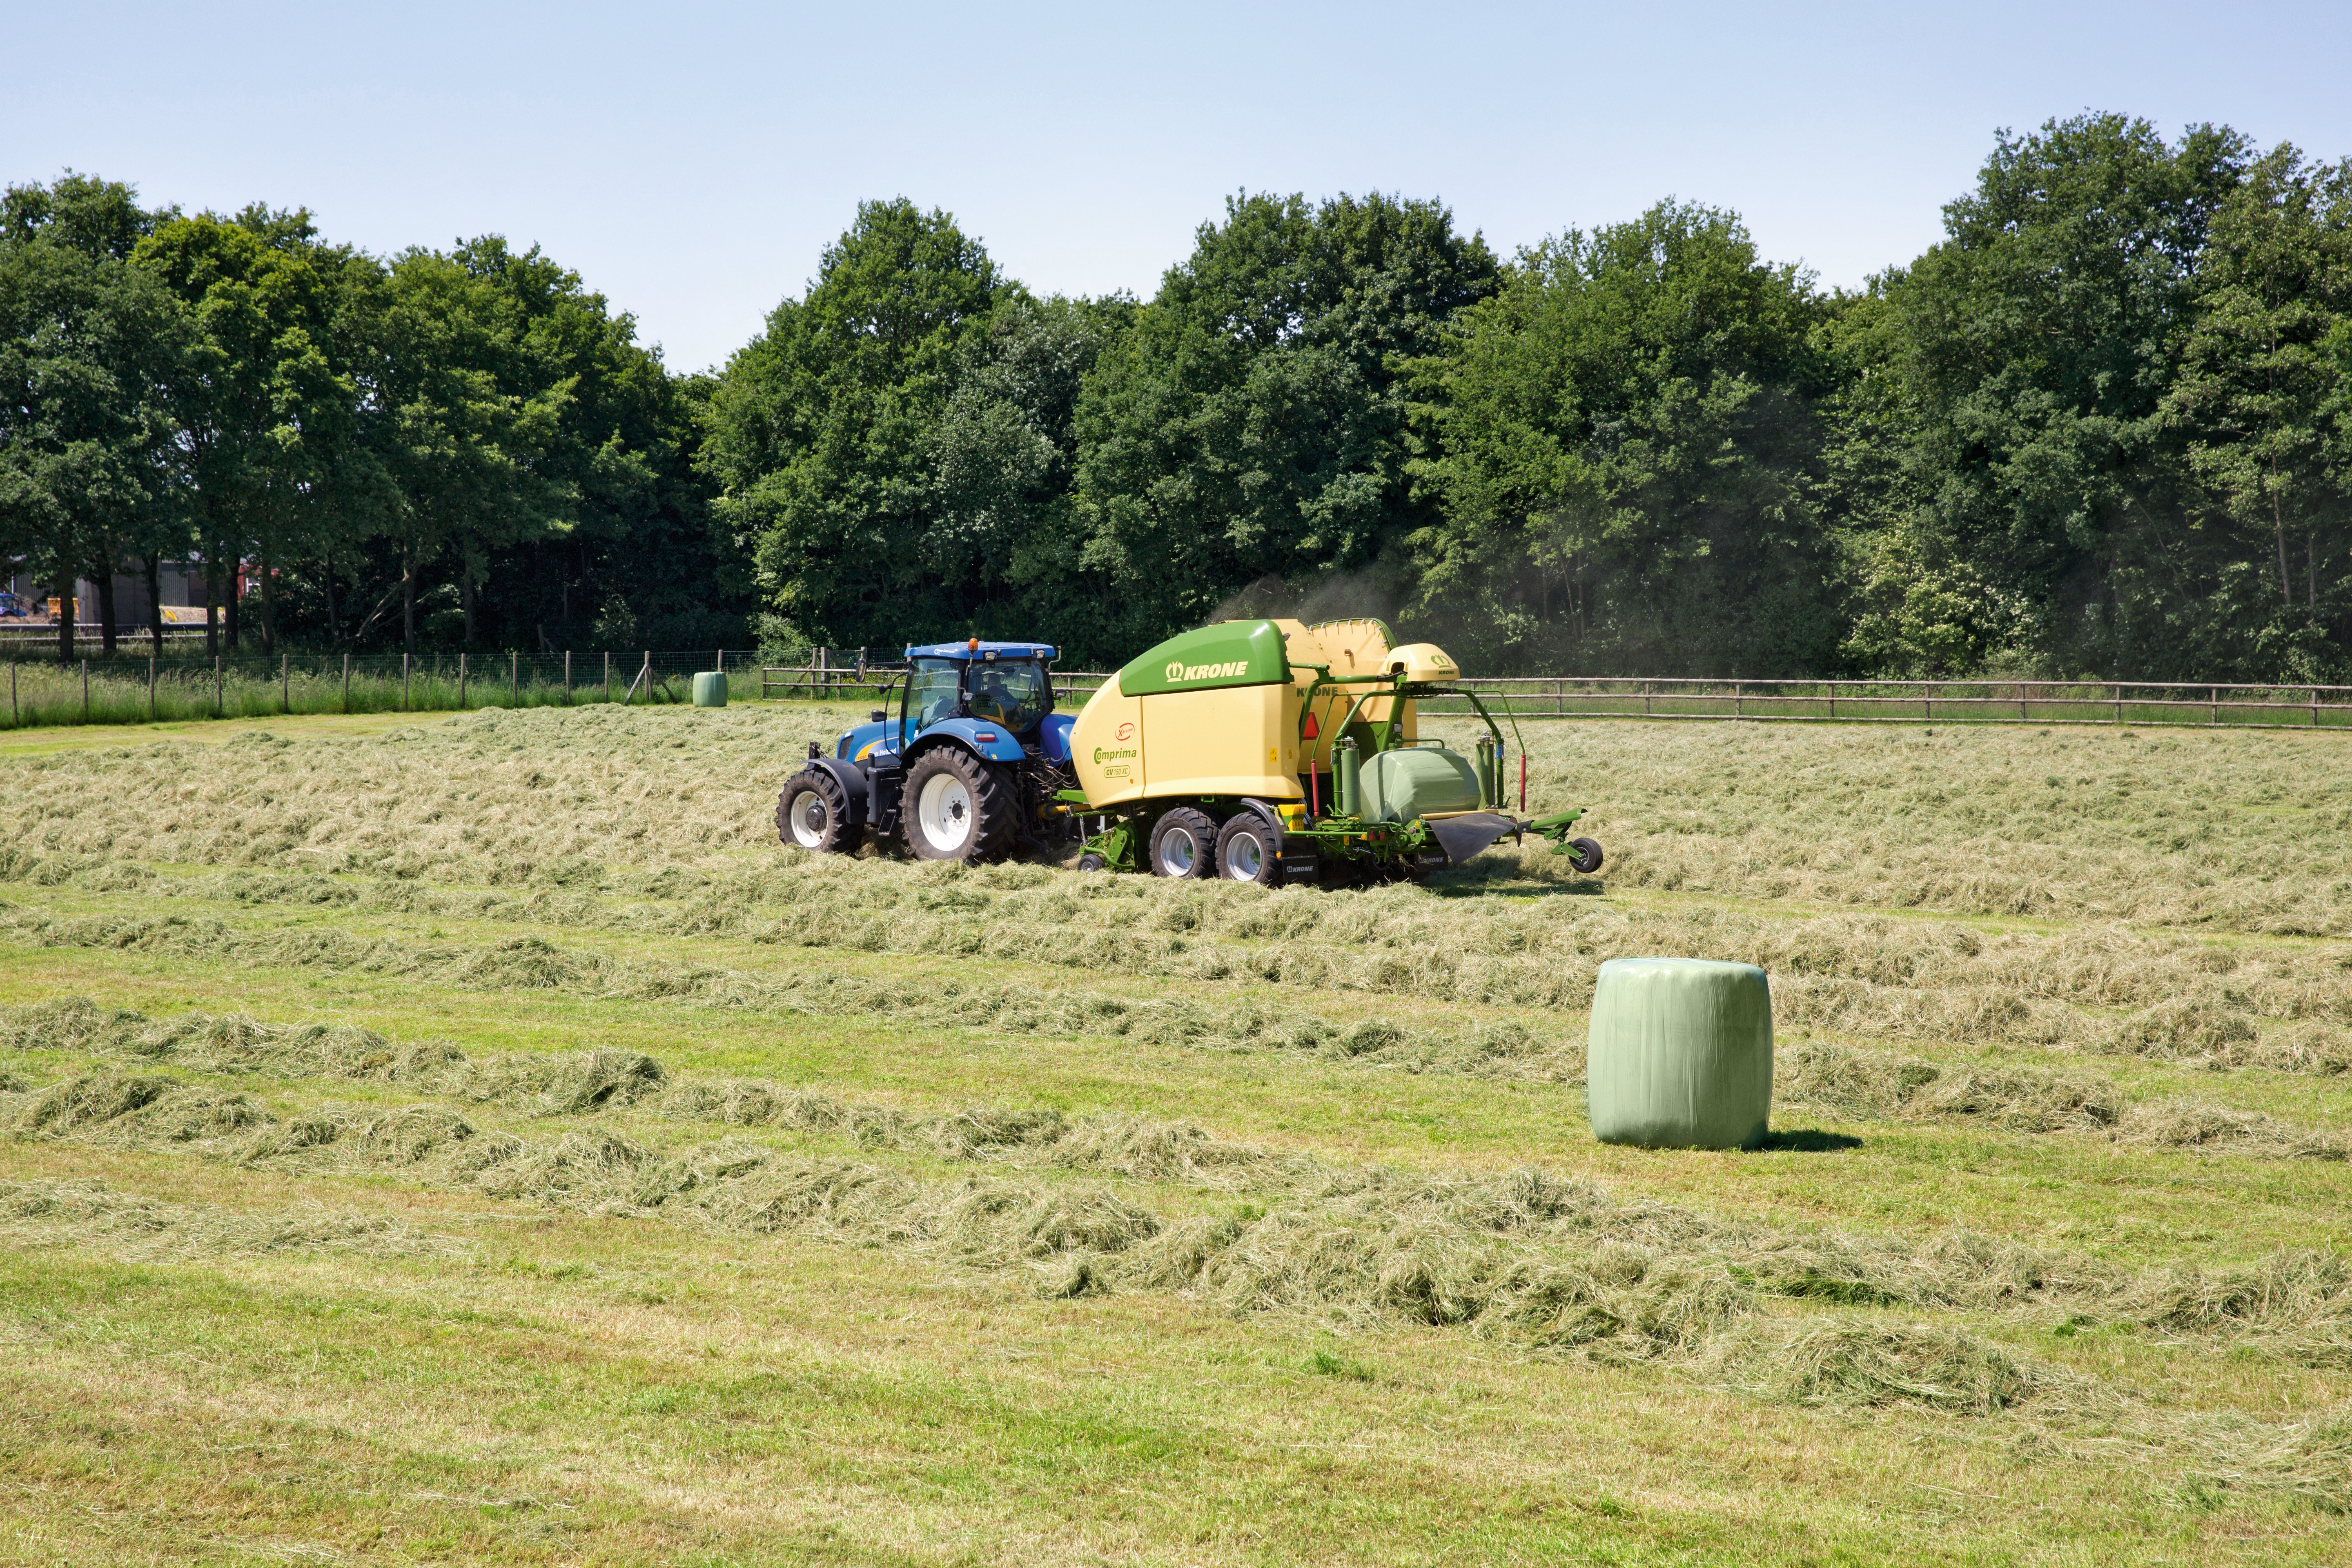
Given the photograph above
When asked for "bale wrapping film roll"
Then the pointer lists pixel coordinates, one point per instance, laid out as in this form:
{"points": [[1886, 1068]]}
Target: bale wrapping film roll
{"points": [[1681, 1054]]}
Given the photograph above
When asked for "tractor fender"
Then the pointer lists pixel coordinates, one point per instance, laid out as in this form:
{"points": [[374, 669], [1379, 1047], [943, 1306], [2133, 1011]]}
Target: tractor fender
{"points": [[1000, 746], [851, 779]]}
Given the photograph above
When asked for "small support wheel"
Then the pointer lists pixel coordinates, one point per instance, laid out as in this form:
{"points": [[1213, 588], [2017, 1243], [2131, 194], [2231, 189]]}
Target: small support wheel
{"points": [[1092, 862], [813, 812], [1587, 858], [1184, 844], [1247, 851]]}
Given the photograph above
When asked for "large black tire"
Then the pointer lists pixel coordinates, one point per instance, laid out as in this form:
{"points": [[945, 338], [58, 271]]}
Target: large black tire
{"points": [[1249, 851], [1184, 844], [814, 812], [957, 807], [1587, 858]]}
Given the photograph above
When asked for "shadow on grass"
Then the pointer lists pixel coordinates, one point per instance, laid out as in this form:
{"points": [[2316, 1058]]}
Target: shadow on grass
{"points": [[1808, 1141]]}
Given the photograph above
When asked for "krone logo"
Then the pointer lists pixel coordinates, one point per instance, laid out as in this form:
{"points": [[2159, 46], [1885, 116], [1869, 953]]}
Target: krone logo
{"points": [[1207, 671], [1126, 732]]}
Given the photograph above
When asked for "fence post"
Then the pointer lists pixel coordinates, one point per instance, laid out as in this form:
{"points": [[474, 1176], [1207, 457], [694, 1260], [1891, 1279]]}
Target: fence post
{"points": [[1646, 698], [2213, 711], [567, 678], [2119, 701], [347, 683], [404, 659], [218, 687], [647, 675], [1833, 698], [2314, 708], [514, 676], [2020, 702], [150, 688], [608, 676], [1738, 710], [12, 686], [285, 683], [85, 691]]}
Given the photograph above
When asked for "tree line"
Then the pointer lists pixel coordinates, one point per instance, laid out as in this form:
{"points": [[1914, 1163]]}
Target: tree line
{"points": [[2102, 427]]}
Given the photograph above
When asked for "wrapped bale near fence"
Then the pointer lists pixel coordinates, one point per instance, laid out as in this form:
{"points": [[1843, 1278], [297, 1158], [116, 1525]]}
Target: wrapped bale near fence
{"points": [[1681, 1054], [709, 689]]}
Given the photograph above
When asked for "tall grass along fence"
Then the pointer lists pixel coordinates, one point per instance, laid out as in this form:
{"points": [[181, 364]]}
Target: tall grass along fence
{"points": [[132, 689], [129, 690]]}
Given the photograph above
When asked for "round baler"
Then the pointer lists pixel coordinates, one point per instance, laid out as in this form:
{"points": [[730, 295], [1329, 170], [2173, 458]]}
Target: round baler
{"points": [[1266, 751]]}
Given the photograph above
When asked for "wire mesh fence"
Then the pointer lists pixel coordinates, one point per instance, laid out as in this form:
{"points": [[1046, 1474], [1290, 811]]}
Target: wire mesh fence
{"points": [[130, 688]]}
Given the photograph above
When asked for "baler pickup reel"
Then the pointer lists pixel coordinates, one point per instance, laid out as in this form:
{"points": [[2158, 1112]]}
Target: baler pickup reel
{"points": [[1473, 832]]}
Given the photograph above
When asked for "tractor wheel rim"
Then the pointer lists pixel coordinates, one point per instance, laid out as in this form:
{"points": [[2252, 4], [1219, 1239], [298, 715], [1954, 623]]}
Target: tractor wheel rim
{"points": [[1244, 857], [1177, 853], [945, 812], [808, 819]]}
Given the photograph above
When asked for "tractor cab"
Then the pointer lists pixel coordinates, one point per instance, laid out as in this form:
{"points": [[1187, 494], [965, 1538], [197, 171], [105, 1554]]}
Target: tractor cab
{"points": [[997, 697]]}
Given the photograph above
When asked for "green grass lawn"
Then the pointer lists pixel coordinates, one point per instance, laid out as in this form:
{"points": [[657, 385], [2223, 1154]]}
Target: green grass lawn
{"points": [[473, 1138]]}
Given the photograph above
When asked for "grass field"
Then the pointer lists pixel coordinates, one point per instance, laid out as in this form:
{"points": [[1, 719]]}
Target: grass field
{"points": [[475, 1138]]}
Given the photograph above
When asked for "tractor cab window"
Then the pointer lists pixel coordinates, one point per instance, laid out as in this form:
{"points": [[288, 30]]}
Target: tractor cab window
{"points": [[1014, 695], [934, 687]]}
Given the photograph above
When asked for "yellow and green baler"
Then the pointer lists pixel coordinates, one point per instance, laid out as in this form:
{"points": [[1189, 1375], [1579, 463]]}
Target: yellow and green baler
{"points": [[1270, 750]]}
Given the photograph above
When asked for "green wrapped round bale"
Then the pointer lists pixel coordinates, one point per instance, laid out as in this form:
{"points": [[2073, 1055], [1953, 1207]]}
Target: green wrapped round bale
{"points": [[1681, 1054], [709, 690]]}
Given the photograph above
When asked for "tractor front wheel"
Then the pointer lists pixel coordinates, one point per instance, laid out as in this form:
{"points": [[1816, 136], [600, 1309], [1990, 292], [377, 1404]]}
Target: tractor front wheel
{"points": [[957, 807], [1247, 851], [1184, 844], [813, 812]]}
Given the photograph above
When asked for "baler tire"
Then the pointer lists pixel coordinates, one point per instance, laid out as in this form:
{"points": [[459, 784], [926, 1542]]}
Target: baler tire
{"points": [[1182, 825], [831, 830], [1247, 851], [1587, 858], [987, 805], [1091, 862]]}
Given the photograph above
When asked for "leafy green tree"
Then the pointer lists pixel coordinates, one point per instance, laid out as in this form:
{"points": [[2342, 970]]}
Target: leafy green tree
{"points": [[641, 554], [2260, 381], [89, 349], [1252, 425], [1625, 439], [2039, 341], [458, 422], [823, 429], [267, 405]]}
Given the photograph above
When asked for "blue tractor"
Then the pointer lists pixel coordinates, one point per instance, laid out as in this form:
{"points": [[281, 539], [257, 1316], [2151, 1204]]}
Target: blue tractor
{"points": [[965, 766]]}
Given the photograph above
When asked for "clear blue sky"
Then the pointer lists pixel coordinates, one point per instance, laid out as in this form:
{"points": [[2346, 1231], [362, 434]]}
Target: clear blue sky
{"points": [[691, 159]]}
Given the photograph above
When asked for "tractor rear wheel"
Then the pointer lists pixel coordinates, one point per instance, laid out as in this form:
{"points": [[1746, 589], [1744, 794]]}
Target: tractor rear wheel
{"points": [[957, 807], [1587, 858], [813, 812], [1184, 844], [1247, 851]]}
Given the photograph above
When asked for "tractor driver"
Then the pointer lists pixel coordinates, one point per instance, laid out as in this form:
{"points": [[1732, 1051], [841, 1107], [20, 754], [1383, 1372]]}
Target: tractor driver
{"points": [[1006, 696], [990, 700]]}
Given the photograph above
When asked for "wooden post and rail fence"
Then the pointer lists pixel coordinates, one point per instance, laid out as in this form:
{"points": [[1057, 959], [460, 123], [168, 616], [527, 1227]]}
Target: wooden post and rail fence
{"points": [[2213, 704]]}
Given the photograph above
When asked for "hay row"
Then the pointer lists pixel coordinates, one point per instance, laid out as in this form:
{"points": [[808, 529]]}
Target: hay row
{"points": [[2045, 826], [2302, 1300]]}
